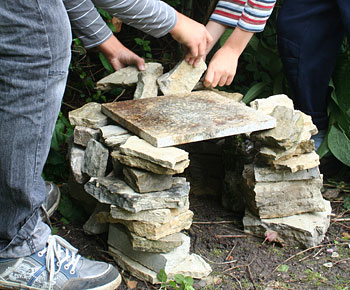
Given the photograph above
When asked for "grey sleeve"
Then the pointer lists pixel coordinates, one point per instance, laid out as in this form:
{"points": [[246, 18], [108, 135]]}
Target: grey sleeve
{"points": [[150, 16]]}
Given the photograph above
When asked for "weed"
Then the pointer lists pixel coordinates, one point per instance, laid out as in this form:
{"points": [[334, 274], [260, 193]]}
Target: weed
{"points": [[179, 283]]}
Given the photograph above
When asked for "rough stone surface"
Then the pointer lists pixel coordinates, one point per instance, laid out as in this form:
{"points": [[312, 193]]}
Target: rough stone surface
{"points": [[147, 81], [144, 181], [149, 166], [112, 190], [76, 160], [283, 198], [166, 157], [126, 76], [181, 79], [93, 226], [194, 266], [193, 117], [119, 240], [117, 166], [114, 142], [95, 159], [268, 105], [111, 131], [82, 135], [268, 174], [162, 215], [303, 230], [297, 163], [155, 231], [88, 115]]}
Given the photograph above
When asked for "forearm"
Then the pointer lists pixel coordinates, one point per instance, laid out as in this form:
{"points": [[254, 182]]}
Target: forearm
{"points": [[216, 30], [238, 41]]}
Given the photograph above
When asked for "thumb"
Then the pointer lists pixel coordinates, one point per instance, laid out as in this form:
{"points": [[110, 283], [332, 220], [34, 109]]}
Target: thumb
{"points": [[141, 64]]}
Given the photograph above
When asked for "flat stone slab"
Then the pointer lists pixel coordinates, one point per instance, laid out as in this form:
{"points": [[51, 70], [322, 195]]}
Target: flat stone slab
{"points": [[197, 116]]}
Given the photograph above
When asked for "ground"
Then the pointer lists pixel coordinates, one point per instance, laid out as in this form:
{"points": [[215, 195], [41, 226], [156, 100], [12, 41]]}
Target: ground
{"points": [[241, 261]]}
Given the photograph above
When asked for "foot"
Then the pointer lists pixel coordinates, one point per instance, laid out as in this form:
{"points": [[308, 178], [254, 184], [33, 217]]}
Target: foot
{"points": [[57, 267]]}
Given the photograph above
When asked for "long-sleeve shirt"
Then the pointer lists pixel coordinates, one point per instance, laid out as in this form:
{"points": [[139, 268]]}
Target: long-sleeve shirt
{"points": [[249, 15], [150, 16]]}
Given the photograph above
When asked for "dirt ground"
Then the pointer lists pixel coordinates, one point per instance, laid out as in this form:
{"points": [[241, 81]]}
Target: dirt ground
{"points": [[241, 261]]}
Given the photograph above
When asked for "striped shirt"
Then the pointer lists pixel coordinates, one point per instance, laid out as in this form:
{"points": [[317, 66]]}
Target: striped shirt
{"points": [[249, 15], [150, 16]]}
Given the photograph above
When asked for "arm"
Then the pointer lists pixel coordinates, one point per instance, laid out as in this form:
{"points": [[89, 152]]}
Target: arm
{"points": [[247, 17]]}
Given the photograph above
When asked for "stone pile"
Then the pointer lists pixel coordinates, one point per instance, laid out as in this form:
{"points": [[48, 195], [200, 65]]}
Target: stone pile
{"points": [[282, 186], [140, 201], [180, 80]]}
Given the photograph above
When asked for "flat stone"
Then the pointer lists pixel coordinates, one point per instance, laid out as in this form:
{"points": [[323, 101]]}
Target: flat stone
{"points": [[114, 142], [155, 231], [119, 240], [111, 131], [95, 159], [149, 166], [193, 117], [113, 190], [268, 174], [303, 230], [82, 135], [88, 115], [93, 226], [147, 81], [283, 198], [267, 105], [193, 266], [162, 215], [144, 181], [126, 76], [182, 78], [76, 160], [297, 163], [166, 157]]}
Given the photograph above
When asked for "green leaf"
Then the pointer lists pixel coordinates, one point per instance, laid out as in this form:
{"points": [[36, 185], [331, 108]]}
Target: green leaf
{"points": [[173, 284], [254, 92], [105, 63], [179, 278], [339, 145], [278, 84], [225, 36], [162, 276], [283, 268], [189, 281], [323, 149], [104, 13], [111, 27]]}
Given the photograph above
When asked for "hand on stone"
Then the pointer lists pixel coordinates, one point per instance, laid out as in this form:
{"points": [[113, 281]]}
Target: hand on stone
{"points": [[193, 35], [119, 56], [222, 68]]}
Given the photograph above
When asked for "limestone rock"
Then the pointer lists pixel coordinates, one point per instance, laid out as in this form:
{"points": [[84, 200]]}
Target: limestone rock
{"points": [[76, 160], [268, 174], [88, 115], [192, 266], [113, 190], [112, 130], [95, 159], [145, 181], [93, 226], [117, 166], [119, 240], [233, 96], [268, 105], [150, 166], [155, 231], [82, 135], [167, 157], [114, 142], [297, 163], [147, 81], [181, 79], [283, 198], [303, 230], [162, 215], [126, 76]]}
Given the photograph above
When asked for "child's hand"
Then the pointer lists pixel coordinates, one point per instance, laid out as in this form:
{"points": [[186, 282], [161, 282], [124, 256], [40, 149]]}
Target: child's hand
{"points": [[222, 68], [193, 35]]}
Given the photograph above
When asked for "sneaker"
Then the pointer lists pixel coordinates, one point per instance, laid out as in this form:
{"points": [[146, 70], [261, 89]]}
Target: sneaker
{"points": [[57, 267], [53, 197]]}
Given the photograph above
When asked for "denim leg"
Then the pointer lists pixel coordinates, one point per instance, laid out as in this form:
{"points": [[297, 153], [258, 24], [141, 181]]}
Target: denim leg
{"points": [[310, 33], [35, 40]]}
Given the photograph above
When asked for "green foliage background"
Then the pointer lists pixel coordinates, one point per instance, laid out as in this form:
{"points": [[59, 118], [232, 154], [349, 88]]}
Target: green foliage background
{"points": [[259, 75]]}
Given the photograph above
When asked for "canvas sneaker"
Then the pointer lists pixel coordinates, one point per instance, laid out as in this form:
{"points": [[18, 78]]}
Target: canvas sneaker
{"points": [[57, 267]]}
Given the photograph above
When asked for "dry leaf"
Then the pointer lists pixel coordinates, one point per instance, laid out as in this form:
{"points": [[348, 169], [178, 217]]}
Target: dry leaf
{"points": [[131, 284]]}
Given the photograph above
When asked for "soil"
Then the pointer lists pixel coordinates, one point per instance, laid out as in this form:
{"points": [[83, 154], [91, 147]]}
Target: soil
{"points": [[241, 261]]}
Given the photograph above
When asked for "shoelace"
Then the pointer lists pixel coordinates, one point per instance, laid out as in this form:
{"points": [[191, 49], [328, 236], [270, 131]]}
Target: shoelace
{"points": [[63, 251]]}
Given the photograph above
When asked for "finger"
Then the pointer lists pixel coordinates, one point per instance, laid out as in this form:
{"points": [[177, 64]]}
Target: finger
{"points": [[229, 80], [141, 64], [193, 50], [216, 80], [202, 47], [196, 61], [222, 80], [208, 78], [209, 38]]}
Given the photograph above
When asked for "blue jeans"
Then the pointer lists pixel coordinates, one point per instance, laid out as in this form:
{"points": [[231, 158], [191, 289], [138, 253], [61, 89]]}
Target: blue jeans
{"points": [[310, 33], [35, 39]]}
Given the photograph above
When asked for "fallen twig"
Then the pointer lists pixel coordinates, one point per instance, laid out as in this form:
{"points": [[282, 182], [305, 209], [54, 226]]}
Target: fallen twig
{"points": [[341, 261], [341, 220], [231, 236], [251, 276], [240, 266], [230, 253]]}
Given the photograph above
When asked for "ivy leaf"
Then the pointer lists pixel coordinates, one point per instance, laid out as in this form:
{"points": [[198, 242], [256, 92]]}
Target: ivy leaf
{"points": [[162, 276], [339, 145], [105, 63]]}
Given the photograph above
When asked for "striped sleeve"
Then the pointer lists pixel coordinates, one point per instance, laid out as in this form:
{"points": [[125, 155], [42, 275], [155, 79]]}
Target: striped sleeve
{"points": [[249, 15], [150, 16]]}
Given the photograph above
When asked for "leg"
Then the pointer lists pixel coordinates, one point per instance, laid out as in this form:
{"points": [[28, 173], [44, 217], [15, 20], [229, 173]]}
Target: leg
{"points": [[34, 59], [310, 33]]}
